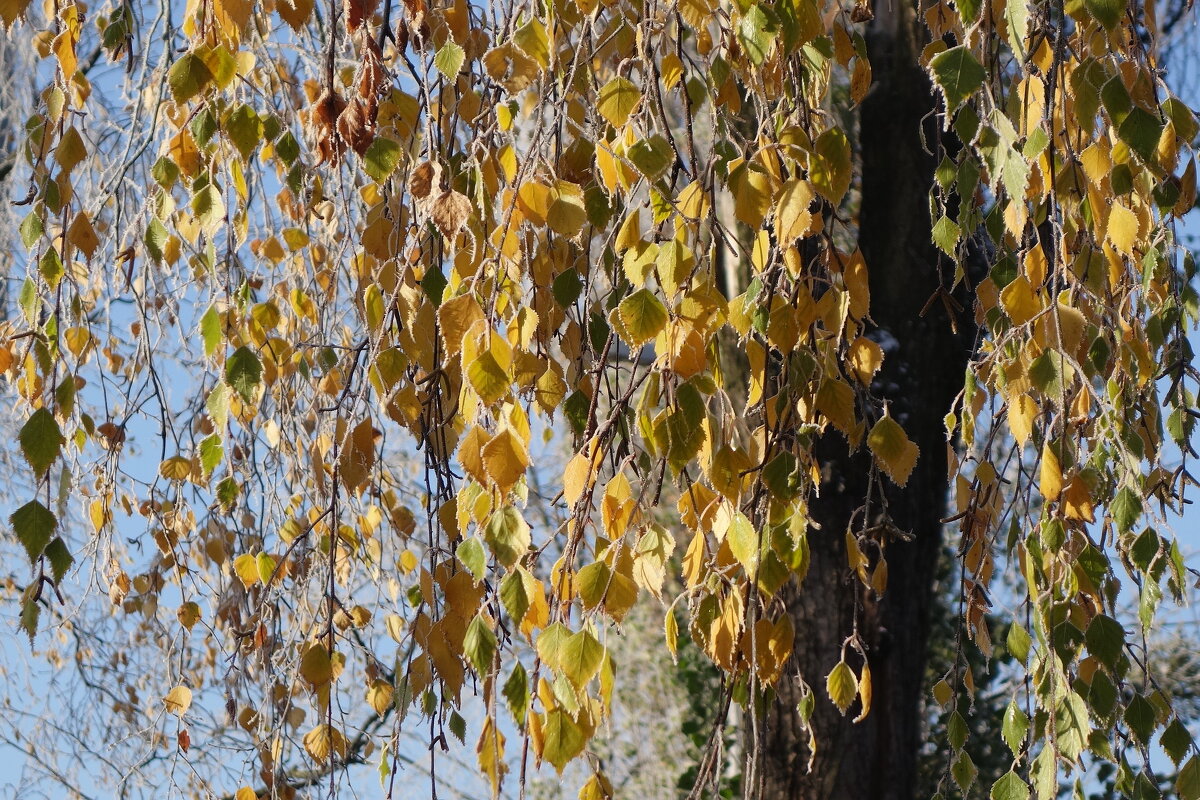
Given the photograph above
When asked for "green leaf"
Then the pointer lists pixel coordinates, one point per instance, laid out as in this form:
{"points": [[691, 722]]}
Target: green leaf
{"points": [[1141, 130], [156, 238], [580, 658], [1126, 508], [964, 771], [642, 316], [946, 234], [245, 130], [243, 372], [187, 77], [381, 160], [209, 209], [1010, 787], [756, 35], [567, 287], [32, 229], [958, 74], [513, 595], [1140, 717], [1072, 726], [479, 645], [29, 617], [449, 59], [516, 693], [59, 557], [743, 542], [563, 738], [1176, 741], [1187, 785], [1107, 12], [210, 331], [211, 453], [41, 440], [1018, 642], [652, 156], [34, 526], [1016, 725], [507, 534], [1105, 640], [471, 553], [617, 100]]}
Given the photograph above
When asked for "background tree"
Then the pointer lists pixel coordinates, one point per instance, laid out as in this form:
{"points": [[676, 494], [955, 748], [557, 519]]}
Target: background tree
{"points": [[773, 274]]}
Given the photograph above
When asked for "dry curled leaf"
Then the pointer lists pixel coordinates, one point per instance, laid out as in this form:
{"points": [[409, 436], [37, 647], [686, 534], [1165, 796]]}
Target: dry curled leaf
{"points": [[322, 118], [425, 178], [450, 212], [356, 124], [358, 12]]}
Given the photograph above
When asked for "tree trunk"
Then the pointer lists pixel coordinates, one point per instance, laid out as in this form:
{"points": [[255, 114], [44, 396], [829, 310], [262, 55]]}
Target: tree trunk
{"points": [[922, 372]]}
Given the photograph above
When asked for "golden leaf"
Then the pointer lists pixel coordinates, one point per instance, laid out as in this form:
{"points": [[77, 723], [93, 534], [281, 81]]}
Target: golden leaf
{"points": [[505, 459], [893, 450], [841, 686], [178, 700]]}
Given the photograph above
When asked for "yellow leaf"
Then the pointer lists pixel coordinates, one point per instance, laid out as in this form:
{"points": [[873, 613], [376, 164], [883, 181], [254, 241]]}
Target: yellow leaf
{"points": [[793, 219], [1020, 301], [178, 700], [323, 741], [232, 16], [176, 468], [1077, 500], [693, 202], [854, 274], [641, 316], [505, 459], [893, 450], [1122, 229], [83, 235], [1022, 410], [379, 696], [455, 318], [246, 568], [1051, 474], [294, 12], [830, 168], [490, 752], [566, 215], [841, 686], [470, 454], [864, 693], [866, 357], [671, 631], [11, 11], [617, 101], [577, 478], [671, 70], [189, 614], [320, 668], [835, 399], [245, 793]]}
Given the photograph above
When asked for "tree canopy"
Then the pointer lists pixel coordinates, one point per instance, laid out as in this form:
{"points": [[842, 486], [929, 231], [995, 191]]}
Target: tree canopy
{"points": [[375, 361]]}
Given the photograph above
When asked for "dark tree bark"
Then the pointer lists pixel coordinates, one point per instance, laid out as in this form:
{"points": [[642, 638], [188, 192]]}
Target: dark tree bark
{"points": [[922, 372]]}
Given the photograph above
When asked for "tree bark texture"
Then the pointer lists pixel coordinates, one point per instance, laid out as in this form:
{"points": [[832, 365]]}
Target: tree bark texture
{"points": [[922, 372]]}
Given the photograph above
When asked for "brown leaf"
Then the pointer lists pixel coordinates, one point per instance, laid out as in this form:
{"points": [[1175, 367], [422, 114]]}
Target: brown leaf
{"points": [[358, 12], [185, 740], [322, 126], [450, 212], [372, 76], [424, 179], [356, 124]]}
